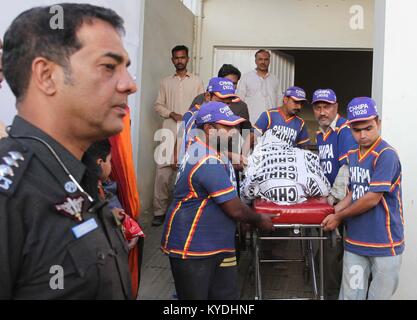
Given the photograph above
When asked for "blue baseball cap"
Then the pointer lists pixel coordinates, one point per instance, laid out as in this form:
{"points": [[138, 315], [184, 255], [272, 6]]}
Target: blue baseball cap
{"points": [[222, 88], [362, 109], [324, 95], [296, 93], [217, 112]]}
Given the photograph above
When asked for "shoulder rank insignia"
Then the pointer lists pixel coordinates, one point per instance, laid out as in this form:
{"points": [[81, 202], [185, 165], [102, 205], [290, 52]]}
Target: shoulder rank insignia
{"points": [[5, 171], [11, 162], [12, 165], [72, 207]]}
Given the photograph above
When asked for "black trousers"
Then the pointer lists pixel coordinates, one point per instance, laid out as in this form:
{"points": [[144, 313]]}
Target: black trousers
{"points": [[211, 278]]}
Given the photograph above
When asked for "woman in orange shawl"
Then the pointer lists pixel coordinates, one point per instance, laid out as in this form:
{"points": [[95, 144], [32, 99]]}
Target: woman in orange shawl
{"points": [[123, 172]]}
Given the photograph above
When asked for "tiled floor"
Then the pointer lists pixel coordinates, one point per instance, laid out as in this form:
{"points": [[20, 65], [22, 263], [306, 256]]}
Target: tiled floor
{"points": [[156, 280], [280, 281]]}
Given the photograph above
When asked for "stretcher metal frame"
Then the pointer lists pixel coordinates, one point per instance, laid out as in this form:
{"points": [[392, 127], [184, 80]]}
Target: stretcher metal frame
{"points": [[298, 230]]}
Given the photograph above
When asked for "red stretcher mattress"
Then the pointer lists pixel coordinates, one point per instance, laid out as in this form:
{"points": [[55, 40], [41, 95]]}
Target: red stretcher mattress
{"points": [[312, 211]]}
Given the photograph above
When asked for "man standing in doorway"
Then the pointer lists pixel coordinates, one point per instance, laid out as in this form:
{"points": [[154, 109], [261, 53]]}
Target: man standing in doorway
{"points": [[334, 140], [259, 88], [175, 96]]}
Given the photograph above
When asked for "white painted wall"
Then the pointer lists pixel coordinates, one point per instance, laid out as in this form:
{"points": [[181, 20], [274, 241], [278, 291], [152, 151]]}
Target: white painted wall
{"points": [[244, 58], [167, 24], [395, 70], [282, 24]]}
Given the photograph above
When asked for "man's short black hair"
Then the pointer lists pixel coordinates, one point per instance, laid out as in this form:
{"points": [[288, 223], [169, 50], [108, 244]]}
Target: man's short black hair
{"points": [[99, 150], [228, 69], [180, 48], [31, 35]]}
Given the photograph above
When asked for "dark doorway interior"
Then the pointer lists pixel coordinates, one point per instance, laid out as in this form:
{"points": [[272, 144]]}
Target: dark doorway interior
{"points": [[348, 73]]}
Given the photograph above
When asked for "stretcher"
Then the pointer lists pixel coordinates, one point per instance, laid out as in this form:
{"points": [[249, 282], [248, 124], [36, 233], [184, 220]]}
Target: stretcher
{"points": [[301, 219]]}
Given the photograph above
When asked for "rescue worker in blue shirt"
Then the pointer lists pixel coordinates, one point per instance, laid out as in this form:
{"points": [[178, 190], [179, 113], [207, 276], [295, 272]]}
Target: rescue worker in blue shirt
{"points": [[334, 140], [372, 211], [284, 122], [200, 227], [220, 90]]}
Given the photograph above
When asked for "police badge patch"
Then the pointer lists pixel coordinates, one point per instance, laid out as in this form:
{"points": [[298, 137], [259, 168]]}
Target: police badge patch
{"points": [[72, 207]]}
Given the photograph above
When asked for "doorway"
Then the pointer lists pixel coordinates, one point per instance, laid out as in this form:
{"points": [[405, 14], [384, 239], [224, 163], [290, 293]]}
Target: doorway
{"points": [[348, 73]]}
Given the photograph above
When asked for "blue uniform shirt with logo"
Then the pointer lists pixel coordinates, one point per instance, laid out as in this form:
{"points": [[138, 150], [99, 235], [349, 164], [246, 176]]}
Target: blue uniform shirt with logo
{"points": [[196, 226], [334, 146], [291, 131], [379, 231]]}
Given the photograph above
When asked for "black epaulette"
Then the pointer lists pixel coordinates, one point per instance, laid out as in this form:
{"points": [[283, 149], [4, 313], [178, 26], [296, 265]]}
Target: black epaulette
{"points": [[14, 160]]}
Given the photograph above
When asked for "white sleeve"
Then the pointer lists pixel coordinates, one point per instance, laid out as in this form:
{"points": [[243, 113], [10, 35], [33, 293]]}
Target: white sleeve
{"points": [[241, 88], [340, 185]]}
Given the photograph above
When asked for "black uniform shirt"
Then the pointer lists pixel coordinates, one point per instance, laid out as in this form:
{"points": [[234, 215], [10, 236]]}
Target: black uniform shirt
{"points": [[37, 242]]}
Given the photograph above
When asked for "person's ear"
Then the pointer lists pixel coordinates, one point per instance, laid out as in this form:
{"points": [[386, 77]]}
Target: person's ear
{"points": [[337, 107], [208, 127], [46, 75], [99, 162], [207, 96]]}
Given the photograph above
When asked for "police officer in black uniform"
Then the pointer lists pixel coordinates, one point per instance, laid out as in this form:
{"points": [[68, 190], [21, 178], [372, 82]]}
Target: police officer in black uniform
{"points": [[57, 240]]}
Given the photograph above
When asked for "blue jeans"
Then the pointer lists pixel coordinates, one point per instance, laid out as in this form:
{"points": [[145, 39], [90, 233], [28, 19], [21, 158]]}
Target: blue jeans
{"points": [[356, 271]]}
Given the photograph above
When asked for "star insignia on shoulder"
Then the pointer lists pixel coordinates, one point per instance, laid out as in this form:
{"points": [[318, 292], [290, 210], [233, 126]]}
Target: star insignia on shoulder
{"points": [[6, 168]]}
